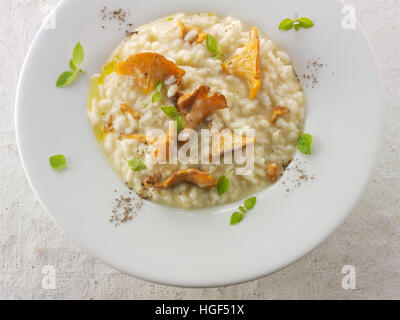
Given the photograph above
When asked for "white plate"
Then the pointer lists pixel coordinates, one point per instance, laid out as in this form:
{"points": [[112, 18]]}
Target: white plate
{"points": [[201, 249]]}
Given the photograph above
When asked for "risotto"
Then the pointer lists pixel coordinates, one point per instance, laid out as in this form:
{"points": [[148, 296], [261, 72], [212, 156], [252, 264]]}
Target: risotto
{"points": [[200, 71]]}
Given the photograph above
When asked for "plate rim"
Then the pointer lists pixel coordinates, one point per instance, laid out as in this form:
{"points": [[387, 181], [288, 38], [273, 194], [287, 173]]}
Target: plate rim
{"points": [[292, 259]]}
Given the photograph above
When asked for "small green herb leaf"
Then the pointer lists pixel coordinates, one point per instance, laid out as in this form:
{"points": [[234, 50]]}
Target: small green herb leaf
{"points": [[58, 162], [305, 22], [65, 79], [78, 53], [213, 46], [73, 65], [156, 97], [136, 164], [212, 43], [218, 54], [242, 209], [304, 143], [170, 111], [236, 218], [179, 123], [297, 23], [250, 203], [222, 185], [159, 86], [286, 24]]}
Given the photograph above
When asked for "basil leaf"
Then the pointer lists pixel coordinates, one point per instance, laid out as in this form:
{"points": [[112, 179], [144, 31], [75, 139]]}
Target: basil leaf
{"points": [[236, 218], [58, 162], [156, 97], [304, 143], [250, 203], [136, 164], [73, 65], [78, 54], [65, 79], [159, 86], [305, 22], [170, 111], [286, 24], [222, 185], [179, 123], [212, 44], [296, 26]]}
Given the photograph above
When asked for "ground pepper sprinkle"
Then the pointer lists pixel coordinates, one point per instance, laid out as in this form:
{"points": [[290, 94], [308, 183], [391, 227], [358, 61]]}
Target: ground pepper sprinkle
{"points": [[125, 208], [120, 16], [313, 70], [297, 175]]}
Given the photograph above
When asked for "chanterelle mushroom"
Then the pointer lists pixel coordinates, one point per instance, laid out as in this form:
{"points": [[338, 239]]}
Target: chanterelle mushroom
{"points": [[150, 181], [198, 105], [147, 68], [139, 137], [229, 142], [278, 112], [247, 64], [163, 144], [272, 171], [191, 34], [109, 126], [200, 178], [125, 108]]}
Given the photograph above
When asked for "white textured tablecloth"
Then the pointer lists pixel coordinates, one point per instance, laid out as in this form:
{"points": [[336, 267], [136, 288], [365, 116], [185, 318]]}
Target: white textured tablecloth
{"points": [[369, 240]]}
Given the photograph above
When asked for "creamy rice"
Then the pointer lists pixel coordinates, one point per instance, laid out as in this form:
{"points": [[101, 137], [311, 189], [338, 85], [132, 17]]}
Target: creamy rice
{"points": [[279, 87]]}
